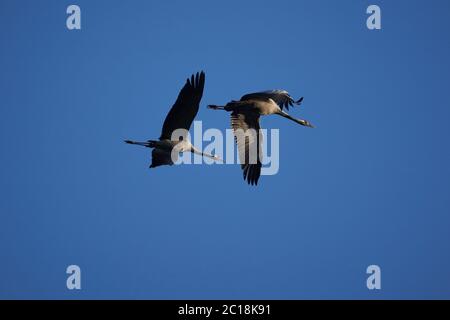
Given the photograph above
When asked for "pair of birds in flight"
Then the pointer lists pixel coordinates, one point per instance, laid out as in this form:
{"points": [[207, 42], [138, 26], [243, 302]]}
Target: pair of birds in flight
{"points": [[245, 115]]}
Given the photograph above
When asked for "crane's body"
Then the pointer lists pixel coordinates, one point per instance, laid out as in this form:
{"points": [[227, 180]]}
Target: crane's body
{"points": [[245, 115], [261, 107], [180, 117]]}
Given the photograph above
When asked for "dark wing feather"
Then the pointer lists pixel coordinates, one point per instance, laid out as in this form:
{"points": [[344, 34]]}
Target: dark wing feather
{"points": [[281, 97], [186, 107], [249, 144]]}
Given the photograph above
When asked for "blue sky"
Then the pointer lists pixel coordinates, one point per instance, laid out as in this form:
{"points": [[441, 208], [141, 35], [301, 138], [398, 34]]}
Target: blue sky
{"points": [[369, 185]]}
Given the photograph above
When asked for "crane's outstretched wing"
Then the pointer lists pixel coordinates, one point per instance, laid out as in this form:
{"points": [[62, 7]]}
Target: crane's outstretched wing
{"points": [[281, 97], [185, 108], [248, 138]]}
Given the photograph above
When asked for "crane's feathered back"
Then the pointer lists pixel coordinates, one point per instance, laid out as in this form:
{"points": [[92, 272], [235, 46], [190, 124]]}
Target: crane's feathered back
{"points": [[281, 97], [186, 106]]}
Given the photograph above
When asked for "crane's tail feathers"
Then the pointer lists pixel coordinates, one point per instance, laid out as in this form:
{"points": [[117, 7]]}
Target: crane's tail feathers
{"points": [[214, 107]]}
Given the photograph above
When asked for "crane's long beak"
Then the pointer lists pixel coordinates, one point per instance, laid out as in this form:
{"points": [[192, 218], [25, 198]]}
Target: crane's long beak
{"points": [[299, 121], [203, 154]]}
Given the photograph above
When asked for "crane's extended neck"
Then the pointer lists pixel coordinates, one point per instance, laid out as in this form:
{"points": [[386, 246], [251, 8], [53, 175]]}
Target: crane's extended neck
{"points": [[299, 121]]}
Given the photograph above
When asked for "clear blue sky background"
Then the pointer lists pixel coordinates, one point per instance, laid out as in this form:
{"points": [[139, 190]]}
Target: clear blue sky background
{"points": [[369, 185]]}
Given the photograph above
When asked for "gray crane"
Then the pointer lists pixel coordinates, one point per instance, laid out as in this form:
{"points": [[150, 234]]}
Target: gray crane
{"points": [[245, 115], [167, 148]]}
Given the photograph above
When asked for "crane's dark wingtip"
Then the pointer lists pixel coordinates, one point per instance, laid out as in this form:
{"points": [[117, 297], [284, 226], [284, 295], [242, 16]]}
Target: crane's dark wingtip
{"points": [[196, 80], [128, 141], [251, 175], [299, 101]]}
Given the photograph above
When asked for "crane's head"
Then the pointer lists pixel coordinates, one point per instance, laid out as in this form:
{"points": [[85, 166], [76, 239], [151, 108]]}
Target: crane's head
{"points": [[204, 154]]}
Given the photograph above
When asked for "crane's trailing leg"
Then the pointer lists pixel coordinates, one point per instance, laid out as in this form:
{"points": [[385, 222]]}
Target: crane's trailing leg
{"points": [[214, 107], [148, 144]]}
